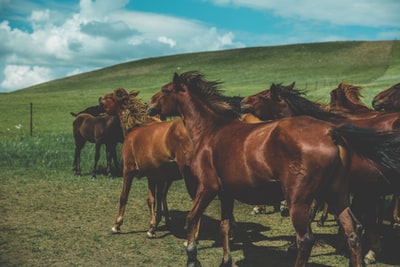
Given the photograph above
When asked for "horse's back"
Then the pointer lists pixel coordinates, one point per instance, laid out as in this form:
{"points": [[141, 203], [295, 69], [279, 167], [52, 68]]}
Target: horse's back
{"points": [[259, 155]]}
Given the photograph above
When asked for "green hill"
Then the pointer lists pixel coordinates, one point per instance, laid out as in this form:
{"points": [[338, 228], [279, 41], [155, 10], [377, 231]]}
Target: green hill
{"points": [[317, 68]]}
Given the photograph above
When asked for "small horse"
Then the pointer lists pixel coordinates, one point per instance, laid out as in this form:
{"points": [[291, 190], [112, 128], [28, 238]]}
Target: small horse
{"points": [[367, 182], [103, 129], [152, 148], [301, 160], [388, 100]]}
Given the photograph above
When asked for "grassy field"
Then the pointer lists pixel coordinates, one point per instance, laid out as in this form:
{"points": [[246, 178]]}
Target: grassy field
{"points": [[51, 218]]}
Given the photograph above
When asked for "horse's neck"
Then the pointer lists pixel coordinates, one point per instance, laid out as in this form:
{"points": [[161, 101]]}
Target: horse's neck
{"points": [[198, 119]]}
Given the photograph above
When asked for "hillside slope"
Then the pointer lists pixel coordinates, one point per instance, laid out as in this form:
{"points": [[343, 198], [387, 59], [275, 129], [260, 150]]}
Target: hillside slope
{"points": [[317, 68]]}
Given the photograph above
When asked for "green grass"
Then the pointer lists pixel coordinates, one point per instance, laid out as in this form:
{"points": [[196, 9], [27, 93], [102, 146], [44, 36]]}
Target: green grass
{"points": [[317, 68], [52, 218]]}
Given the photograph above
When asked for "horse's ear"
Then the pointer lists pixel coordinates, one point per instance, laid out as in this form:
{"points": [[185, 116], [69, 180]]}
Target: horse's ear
{"points": [[176, 78], [177, 82], [291, 86], [134, 93], [275, 92]]}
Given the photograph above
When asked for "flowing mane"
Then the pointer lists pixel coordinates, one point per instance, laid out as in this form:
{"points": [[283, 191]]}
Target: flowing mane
{"points": [[301, 105], [209, 92], [347, 96], [133, 109]]}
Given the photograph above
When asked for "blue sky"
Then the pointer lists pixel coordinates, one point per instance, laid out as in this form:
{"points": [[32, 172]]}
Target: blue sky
{"points": [[42, 40]]}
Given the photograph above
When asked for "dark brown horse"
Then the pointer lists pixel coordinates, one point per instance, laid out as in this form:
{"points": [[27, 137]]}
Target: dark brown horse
{"points": [[301, 160], [102, 129], [155, 149], [367, 182], [388, 100], [346, 98]]}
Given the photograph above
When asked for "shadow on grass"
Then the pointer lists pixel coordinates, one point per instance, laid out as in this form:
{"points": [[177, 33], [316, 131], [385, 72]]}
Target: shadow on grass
{"points": [[248, 233]]}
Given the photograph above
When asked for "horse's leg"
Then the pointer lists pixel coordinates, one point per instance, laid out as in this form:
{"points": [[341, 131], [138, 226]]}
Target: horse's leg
{"points": [[226, 215], [365, 207], [324, 215], [79, 143], [203, 198], [301, 216], [159, 200], [151, 191], [126, 187], [396, 214], [167, 184], [114, 158], [110, 148], [352, 230], [96, 159]]}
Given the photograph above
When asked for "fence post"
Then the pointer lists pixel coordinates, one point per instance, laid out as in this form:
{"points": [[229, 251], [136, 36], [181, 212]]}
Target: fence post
{"points": [[31, 119]]}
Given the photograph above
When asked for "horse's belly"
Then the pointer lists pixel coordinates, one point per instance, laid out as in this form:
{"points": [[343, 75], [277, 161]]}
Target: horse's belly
{"points": [[266, 193]]}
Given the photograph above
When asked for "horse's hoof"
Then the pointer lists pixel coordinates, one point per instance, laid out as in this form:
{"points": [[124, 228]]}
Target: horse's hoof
{"points": [[320, 224], [396, 226], [257, 211], [150, 235], [195, 263], [115, 231], [370, 258], [228, 263]]}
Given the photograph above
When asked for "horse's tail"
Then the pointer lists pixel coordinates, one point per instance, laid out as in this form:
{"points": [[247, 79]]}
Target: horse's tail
{"points": [[379, 147]]}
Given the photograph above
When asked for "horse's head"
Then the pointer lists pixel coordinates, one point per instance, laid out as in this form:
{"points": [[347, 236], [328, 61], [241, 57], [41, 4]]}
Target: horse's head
{"points": [[347, 97], [269, 104], [388, 100], [163, 102], [114, 102]]}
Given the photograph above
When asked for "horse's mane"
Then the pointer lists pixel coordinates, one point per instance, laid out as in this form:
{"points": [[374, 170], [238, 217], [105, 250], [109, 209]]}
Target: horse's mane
{"points": [[209, 92], [134, 110], [352, 94], [302, 106]]}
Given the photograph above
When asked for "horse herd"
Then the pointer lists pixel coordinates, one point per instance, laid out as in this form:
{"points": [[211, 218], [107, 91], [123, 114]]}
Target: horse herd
{"points": [[272, 146]]}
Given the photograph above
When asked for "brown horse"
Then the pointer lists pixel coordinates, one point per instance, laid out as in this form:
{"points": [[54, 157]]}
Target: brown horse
{"points": [[103, 129], [388, 100], [301, 159], [155, 149], [346, 98], [367, 182]]}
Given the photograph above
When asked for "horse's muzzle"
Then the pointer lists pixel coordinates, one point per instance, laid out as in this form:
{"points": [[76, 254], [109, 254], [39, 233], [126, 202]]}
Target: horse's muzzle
{"points": [[153, 111]]}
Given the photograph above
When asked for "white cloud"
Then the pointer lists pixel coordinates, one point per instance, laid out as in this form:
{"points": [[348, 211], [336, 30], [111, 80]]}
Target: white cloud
{"points": [[166, 40], [96, 34], [370, 13], [17, 77]]}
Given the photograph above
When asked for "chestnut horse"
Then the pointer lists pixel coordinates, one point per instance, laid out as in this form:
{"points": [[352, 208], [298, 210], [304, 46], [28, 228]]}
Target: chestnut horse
{"points": [[155, 149], [102, 129], [346, 98], [301, 160], [367, 182], [388, 100]]}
